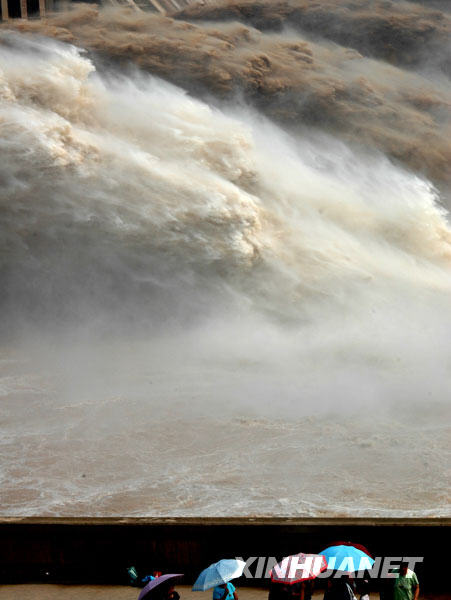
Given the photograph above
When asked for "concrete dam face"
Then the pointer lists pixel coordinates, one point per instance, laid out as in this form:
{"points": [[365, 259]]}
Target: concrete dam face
{"points": [[23, 9]]}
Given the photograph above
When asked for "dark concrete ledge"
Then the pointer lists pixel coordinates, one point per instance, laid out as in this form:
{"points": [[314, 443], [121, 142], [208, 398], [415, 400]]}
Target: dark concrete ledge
{"points": [[248, 521], [98, 550]]}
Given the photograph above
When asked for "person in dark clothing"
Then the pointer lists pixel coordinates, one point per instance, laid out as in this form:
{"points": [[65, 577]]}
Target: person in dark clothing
{"points": [[165, 592], [279, 591], [301, 590], [364, 590], [172, 594], [339, 589], [385, 588]]}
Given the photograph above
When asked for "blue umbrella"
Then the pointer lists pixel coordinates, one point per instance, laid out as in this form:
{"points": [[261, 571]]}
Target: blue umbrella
{"points": [[219, 573], [347, 559]]}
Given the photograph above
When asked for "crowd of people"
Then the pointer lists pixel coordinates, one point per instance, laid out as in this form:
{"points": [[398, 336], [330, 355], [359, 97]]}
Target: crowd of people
{"points": [[402, 585]]}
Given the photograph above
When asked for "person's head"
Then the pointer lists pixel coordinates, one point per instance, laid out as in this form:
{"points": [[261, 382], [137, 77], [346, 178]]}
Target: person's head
{"points": [[403, 568], [364, 586], [167, 591]]}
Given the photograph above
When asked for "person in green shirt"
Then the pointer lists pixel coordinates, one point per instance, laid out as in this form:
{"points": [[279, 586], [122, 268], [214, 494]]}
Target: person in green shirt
{"points": [[406, 586]]}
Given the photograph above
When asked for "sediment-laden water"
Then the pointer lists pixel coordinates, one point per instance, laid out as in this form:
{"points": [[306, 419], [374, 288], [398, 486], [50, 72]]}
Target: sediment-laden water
{"points": [[222, 300]]}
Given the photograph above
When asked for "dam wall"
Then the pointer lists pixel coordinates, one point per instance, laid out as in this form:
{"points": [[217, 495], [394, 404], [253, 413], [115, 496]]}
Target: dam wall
{"points": [[24, 9], [99, 550]]}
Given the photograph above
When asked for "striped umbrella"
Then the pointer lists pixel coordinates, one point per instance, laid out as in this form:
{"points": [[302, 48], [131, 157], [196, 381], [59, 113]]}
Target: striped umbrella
{"points": [[298, 567]]}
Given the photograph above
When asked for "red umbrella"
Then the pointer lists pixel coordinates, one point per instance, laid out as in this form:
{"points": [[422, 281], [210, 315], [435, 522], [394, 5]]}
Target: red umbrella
{"points": [[358, 546], [298, 567]]}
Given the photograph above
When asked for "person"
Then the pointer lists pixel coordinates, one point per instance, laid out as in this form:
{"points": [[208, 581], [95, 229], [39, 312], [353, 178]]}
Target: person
{"points": [[385, 585], [133, 578], [225, 591], [405, 586], [339, 589], [151, 577], [172, 594], [301, 590], [364, 590], [279, 591], [166, 591]]}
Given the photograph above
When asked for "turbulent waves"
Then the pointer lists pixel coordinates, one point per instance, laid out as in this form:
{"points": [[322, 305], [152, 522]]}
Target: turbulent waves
{"points": [[287, 298], [126, 189]]}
